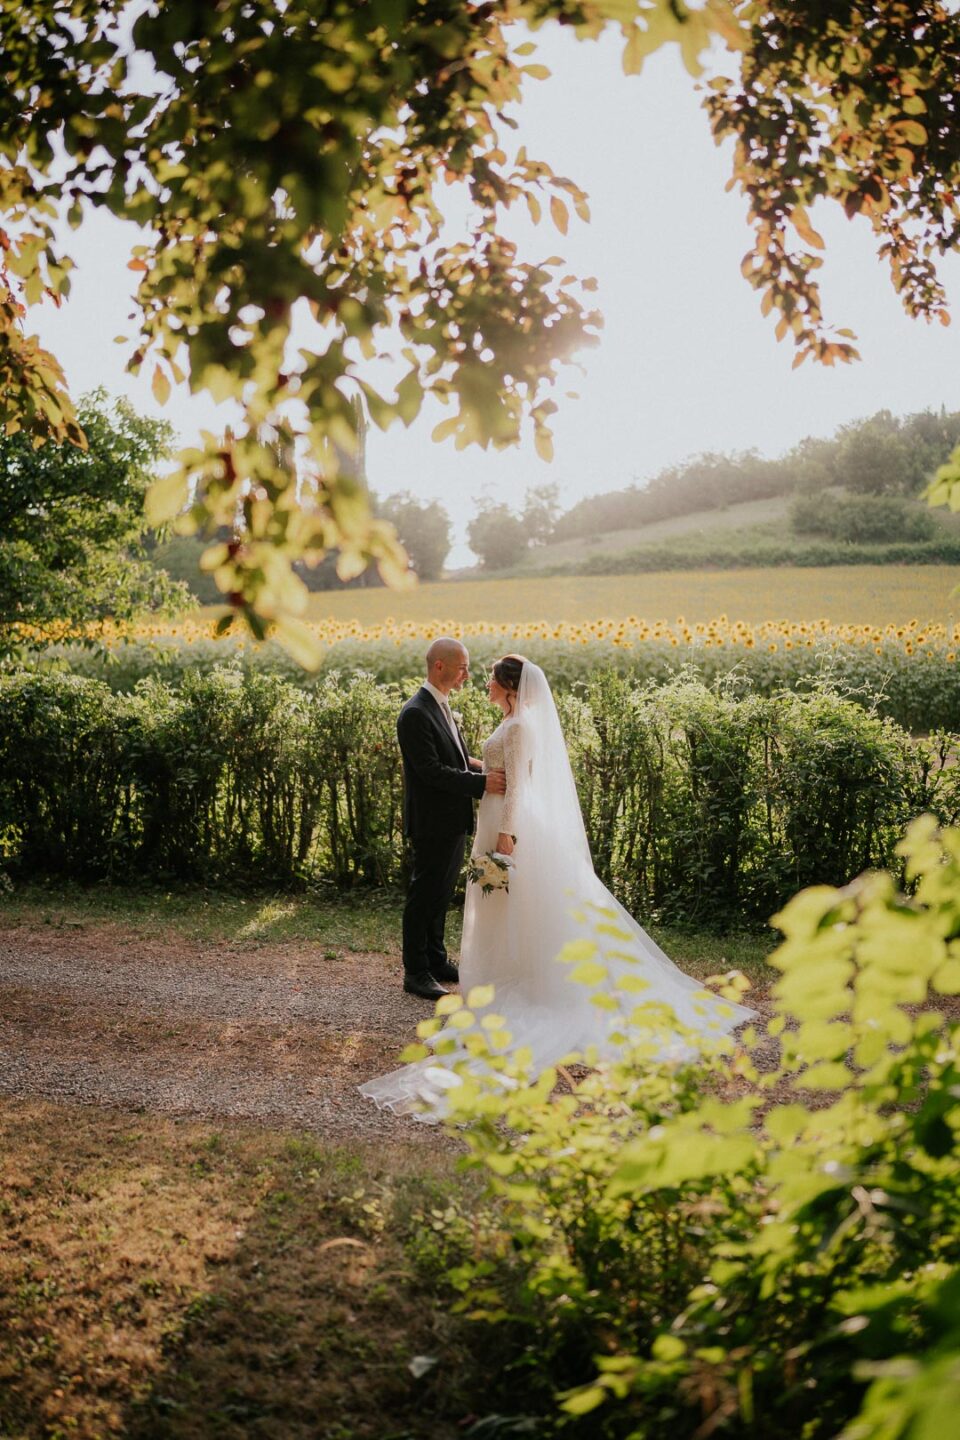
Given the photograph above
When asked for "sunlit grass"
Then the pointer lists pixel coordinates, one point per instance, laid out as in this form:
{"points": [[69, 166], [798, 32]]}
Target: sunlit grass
{"points": [[857, 594], [369, 923], [168, 1276], [358, 925], [270, 917]]}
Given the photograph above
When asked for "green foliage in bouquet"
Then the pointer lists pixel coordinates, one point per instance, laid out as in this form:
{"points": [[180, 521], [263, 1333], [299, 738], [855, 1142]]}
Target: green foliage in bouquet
{"points": [[766, 1243], [490, 871]]}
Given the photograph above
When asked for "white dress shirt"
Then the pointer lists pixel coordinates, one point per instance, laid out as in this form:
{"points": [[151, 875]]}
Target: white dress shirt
{"points": [[447, 714]]}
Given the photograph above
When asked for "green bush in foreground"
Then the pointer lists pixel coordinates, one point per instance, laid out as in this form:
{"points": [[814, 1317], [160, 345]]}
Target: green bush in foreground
{"points": [[764, 1245], [701, 803]]}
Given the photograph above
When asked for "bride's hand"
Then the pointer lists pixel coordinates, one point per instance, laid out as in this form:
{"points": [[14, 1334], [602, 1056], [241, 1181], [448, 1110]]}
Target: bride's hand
{"points": [[505, 844]]}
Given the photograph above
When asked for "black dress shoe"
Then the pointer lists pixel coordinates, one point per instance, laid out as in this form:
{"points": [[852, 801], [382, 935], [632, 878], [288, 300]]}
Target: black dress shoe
{"points": [[424, 986], [446, 971]]}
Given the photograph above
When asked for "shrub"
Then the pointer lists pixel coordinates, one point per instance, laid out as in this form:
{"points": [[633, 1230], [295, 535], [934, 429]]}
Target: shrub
{"points": [[228, 775], [64, 805], [191, 816], [705, 803], [699, 804], [352, 749], [861, 520], [767, 1243], [735, 552]]}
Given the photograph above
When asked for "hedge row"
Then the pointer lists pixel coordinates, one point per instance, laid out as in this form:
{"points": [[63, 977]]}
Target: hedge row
{"points": [[720, 553], [921, 691], [699, 804]]}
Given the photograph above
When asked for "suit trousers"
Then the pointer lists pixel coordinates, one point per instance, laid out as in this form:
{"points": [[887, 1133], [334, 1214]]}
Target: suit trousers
{"points": [[437, 862]]}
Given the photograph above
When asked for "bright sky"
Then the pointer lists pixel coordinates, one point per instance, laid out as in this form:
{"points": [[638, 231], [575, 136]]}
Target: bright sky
{"points": [[686, 363]]}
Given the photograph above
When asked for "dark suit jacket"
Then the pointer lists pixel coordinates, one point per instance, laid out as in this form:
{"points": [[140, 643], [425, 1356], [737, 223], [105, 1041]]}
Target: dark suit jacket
{"points": [[438, 789]]}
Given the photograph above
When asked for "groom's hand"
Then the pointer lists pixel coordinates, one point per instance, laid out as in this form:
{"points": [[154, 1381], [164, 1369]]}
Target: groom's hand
{"points": [[496, 782]]}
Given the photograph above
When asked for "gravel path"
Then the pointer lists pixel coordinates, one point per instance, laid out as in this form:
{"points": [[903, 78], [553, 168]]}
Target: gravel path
{"points": [[278, 1034]]}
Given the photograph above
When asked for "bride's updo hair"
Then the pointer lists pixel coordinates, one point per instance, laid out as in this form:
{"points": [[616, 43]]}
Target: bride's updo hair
{"points": [[507, 671]]}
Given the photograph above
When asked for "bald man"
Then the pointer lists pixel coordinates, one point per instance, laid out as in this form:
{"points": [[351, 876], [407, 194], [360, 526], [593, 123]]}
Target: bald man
{"points": [[440, 783]]}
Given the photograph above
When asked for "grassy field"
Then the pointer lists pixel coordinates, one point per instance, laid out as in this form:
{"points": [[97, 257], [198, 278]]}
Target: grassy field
{"points": [[767, 516], [753, 517], [856, 594]]}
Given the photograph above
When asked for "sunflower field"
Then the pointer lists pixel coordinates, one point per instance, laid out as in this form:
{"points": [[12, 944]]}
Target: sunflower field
{"points": [[907, 671]]}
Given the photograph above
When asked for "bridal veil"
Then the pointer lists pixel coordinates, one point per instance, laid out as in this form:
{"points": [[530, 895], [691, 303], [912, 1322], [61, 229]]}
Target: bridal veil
{"points": [[512, 939]]}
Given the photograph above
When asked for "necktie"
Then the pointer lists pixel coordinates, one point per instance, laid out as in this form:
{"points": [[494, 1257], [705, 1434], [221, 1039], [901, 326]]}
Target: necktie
{"points": [[451, 724]]}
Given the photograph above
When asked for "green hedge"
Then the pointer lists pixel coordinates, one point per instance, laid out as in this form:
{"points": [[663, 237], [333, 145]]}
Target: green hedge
{"points": [[765, 1244], [921, 692], [698, 804], [227, 776]]}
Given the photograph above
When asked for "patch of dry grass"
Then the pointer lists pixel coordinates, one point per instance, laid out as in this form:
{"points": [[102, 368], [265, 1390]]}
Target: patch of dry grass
{"points": [[168, 1278]]}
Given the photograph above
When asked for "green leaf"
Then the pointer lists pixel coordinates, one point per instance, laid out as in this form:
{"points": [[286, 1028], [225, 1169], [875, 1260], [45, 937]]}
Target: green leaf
{"points": [[668, 1348], [946, 979], [581, 1402], [166, 498], [543, 441], [299, 641], [161, 386], [409, 397]]}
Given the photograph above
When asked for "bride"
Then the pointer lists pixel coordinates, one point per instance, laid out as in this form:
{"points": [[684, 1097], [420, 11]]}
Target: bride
{"points": [[512, 936]]}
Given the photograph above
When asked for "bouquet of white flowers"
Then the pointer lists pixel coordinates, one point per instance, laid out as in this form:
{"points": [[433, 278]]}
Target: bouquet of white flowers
{"points": [[490, 871]]}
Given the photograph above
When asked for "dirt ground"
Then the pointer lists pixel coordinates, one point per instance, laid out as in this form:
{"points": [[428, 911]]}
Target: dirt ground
{"points": [[281, 1034]]}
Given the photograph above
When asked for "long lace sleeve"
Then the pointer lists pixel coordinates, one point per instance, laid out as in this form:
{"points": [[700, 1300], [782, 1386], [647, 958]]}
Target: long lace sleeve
{"points": [[517, 777]]}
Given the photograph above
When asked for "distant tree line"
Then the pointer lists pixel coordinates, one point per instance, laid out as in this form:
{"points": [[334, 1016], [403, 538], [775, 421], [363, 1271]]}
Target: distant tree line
{"points": [[74, 546], [881, 455], [499, 537], [884, 457]]}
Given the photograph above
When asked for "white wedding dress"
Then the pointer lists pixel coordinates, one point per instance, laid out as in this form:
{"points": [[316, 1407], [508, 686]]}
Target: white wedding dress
{"points": [[511, 938]]}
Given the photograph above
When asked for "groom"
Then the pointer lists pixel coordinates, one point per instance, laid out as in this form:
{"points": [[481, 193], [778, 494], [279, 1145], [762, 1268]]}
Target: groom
{"points": [[440, 783]]}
